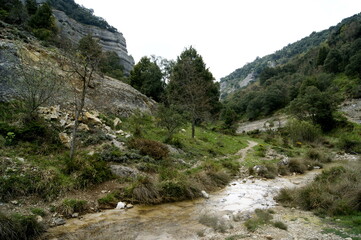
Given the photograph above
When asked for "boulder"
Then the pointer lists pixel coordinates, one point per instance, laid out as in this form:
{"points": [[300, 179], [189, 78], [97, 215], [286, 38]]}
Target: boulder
{"points": [[116, 122], [65, 139], [91, 118], [205, 194], [123, 171], [58, 221], [120, 205]]}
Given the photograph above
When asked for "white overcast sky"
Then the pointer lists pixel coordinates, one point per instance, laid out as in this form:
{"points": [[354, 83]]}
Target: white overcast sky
{"points": [[227, 33]]}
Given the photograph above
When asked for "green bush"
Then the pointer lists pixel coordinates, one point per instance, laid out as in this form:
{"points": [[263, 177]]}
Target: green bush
{"points": [[303, 131], [151, 148], [334, 192], [38, 211], [261, 217], [70, 206], [20, 180], [175, 190], [268, 171], [19, 227], [280, 225], [350, 143], [317, 155], [297, 166], [110, 200], [142, 190]]}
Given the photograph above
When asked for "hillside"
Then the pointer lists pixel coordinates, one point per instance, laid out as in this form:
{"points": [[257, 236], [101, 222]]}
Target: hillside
{"points": [[327, 61], [250, 72], [84, 155]]}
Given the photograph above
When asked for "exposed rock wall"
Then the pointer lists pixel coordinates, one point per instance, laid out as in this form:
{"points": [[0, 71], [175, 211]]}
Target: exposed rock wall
{"points": [[107, 95], [110, 41]]}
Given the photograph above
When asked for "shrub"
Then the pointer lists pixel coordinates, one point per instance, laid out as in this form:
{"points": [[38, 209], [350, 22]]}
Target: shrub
{"points": [[151, 148], [350, 143], [262, 217], [175, 190], [269, 171], [286, 197], [297, 166], [38, 211], [317, 155], [334, 192], [70, 206], [110, 200], [22, 180], [302, 131], [280, 225], [142, 190], [19, 227]]}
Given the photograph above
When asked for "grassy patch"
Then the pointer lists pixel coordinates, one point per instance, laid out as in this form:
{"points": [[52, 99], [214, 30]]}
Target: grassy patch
{"points": [[19, 227], [280, 225], [70, 206], [261, 218]]}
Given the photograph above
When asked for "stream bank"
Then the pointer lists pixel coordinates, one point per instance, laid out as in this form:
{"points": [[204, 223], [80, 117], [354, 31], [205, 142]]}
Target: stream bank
{"points": [[230, 207]]}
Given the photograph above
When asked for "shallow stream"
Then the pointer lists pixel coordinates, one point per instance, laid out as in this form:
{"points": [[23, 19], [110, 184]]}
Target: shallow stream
{"points": [[178, 220]]}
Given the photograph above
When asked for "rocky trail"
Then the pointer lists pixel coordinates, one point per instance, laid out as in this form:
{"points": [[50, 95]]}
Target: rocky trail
{"points": [[243, 152]]}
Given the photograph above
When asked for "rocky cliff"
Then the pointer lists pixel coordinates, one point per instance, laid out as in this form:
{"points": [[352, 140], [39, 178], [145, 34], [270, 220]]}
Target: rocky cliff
{"points": [[110, 41], [107, 95]]}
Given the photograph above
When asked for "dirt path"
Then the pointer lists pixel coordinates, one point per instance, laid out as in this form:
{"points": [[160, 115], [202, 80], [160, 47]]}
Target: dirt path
{"points": [[243, 151]]}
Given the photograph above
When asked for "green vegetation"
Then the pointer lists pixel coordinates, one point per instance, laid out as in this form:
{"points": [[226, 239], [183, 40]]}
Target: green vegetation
{"points": [[147, 77], [310, 82], [261, 218], [70, 206], [19, 227], [335, 193], [192, 88]]}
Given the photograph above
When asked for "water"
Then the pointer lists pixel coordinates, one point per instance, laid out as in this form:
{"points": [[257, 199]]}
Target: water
{"points": [[177, 220]]}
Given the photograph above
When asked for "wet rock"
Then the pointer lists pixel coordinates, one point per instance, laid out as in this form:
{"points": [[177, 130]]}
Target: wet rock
{"points": [[58, 221], [205, 194], [129, 206], [120, 205]]}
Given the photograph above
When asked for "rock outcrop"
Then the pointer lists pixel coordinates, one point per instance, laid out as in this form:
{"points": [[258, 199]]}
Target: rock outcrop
{"points": [[110, 41], [107, 95]]}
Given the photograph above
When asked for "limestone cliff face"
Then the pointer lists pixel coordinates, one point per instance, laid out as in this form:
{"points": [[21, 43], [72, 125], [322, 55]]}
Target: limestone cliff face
{"points": [[110, 41], [107, 95]]}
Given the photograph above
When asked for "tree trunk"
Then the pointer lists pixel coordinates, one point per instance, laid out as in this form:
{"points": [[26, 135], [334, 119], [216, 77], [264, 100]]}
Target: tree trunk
{"points": [[193, 128], [78, 111]]}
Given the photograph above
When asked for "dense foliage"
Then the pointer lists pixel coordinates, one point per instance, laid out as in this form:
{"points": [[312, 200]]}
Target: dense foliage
{"points": [[311, 84], [192, 87], [147, 77]]}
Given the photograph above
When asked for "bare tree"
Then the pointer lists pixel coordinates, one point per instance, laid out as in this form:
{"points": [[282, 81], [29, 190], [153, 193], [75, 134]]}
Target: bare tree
{"points": [[34, 83], [83, 64]]}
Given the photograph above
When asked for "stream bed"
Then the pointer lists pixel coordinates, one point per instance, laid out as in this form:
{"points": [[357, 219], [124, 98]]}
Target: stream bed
{"points": [[178, 220]]}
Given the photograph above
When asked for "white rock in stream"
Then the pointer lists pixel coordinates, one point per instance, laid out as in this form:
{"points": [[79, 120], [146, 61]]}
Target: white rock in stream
{"points": [[205, 194], [120, 205]]}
